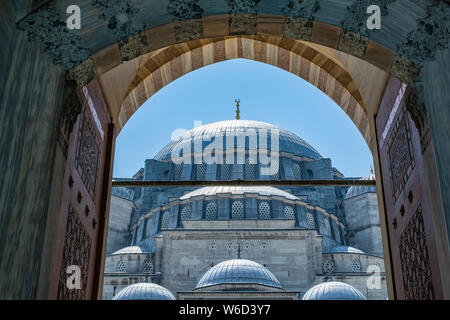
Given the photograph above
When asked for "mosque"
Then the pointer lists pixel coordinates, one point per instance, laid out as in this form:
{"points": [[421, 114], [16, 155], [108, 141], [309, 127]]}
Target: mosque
{"points": [[252, 242]]}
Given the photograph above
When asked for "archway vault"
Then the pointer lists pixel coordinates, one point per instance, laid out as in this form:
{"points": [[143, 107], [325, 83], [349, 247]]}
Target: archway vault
{"points": [[325, 73]]}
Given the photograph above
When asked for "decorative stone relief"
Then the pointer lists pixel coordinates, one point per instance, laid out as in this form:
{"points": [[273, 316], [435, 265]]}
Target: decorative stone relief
{"points": [[184, 9], [83, 73], [187, 16], [432, 34], [121, 17], [353, 43], [403, 69], [71, 108], [77, 248], [418, 112], [356, 20], [47, 28], [415, 261], [133, 46]]}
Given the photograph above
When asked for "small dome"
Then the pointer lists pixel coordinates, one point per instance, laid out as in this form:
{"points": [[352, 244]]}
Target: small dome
{"points": [[238, 271], [357, 190], [144, 291], [132, 249], [333, 290], [343, 249], [261, 190]]}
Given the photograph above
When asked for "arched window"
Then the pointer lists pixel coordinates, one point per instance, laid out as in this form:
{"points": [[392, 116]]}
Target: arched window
{"points": [[211, 211], [148, 266], [165, 220], [328, 266], [356, 266], [264, 210], [237, 210], [121, 266], [289, 212], [310, 220], [186, 213], [296, 171]]}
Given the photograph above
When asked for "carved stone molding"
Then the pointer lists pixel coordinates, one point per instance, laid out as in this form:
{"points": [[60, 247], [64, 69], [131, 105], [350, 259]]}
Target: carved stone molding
{"points": [[184, 9], [415, 261], [76, 252]]}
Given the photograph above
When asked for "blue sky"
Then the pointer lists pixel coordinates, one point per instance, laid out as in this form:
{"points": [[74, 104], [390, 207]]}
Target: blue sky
{"points": [[267, 94]]}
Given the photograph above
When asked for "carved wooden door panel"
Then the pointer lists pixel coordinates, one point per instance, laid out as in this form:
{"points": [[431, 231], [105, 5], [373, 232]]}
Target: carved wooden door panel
{"points": [[84, 199], [410, 231]]}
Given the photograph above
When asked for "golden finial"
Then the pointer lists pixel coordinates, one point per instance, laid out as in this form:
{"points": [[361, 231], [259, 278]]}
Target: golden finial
{"points": [[237, 109]]}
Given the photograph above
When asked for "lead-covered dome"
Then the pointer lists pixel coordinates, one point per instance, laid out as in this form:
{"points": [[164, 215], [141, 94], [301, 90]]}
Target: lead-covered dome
{"points": [[232, 190], [333, 290], [144, 291], [357, 190], [288, 142], [238, 271]]}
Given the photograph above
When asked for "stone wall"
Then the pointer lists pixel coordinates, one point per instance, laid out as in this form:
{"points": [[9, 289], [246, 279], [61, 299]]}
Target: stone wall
{"points": [[293, 256], [119, 221], [363, 223], [31, 87]]}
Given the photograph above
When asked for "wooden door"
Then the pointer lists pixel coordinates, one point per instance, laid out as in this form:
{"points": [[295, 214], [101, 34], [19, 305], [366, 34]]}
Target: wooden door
{"points": [[410, 229], [84, 201]]}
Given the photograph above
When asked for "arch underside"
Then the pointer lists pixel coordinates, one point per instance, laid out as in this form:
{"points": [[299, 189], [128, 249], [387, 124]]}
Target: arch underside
{"points": [[322, 71]]}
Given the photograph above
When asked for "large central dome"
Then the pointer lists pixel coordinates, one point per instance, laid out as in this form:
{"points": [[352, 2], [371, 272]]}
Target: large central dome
{"points": [[288, 142]]}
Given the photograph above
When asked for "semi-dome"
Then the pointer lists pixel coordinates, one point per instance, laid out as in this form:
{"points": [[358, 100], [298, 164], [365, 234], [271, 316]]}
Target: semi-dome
{"points": [[144, 291], [357, 190], [288, 142], [260, 190], [343, 249], [238, 271], [333, 290]]}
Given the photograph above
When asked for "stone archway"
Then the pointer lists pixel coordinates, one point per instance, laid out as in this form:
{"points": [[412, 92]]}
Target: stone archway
{"points": [[330, 28], [296, 57]]}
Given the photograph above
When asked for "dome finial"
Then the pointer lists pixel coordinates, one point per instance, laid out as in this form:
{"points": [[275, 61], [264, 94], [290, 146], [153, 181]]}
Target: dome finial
{"points": [[237, 109], [371, 169]]}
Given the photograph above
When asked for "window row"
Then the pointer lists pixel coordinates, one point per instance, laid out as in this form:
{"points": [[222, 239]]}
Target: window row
{"points": [[147, 267], [328, 266]]}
